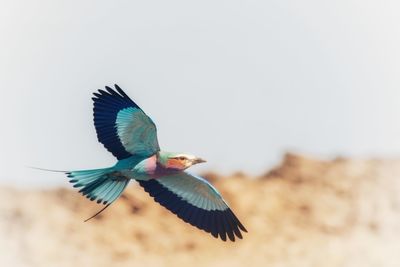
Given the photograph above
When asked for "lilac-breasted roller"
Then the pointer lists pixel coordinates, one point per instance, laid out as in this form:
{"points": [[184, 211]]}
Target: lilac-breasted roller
{"points": [[131, 136]]}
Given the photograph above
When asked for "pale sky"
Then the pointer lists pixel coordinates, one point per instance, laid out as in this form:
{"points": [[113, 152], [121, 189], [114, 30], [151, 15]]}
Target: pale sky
{"points": [[235, 82]]}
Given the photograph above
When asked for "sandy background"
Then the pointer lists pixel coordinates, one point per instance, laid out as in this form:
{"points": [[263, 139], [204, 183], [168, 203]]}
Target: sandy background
{"points": [[305, 212]]}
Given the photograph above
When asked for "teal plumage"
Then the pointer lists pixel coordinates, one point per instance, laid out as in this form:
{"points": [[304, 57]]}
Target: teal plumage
{"points": [[131, 136]]}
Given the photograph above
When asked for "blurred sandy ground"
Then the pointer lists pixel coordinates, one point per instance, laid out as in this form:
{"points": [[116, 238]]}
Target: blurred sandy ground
{"points": [[305, 212]]}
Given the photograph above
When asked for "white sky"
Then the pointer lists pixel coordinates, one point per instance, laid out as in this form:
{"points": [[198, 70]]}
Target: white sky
{"points": [[236, 82]]}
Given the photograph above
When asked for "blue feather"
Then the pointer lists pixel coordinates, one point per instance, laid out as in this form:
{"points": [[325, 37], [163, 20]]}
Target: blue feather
{"points": [[220, 223], [114, 110], [105, 109], [98, 184]]}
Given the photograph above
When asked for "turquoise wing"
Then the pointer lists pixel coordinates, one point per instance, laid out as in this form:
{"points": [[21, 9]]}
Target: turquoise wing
{"points": [[196, 201], [122, 126]]}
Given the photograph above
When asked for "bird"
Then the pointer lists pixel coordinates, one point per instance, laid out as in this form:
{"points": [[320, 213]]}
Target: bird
{"points": [[130, 135]]}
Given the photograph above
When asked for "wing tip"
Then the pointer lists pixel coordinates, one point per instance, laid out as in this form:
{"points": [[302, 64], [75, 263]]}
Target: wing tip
{"points": [[111, 95]]}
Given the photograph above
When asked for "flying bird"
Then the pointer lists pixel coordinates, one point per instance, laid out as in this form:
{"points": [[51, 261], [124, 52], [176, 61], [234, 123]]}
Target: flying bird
{"points": [[131, 136]]}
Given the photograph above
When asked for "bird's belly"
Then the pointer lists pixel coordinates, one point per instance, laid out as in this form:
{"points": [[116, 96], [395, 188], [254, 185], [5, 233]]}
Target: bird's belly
{"points": [[132, 174]]}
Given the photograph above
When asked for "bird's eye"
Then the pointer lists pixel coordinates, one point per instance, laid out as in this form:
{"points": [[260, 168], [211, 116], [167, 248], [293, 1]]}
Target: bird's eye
{"points": [[181, 158]]}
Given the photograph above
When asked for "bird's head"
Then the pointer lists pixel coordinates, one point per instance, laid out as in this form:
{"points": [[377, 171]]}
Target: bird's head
{"points": [[178, 161]]}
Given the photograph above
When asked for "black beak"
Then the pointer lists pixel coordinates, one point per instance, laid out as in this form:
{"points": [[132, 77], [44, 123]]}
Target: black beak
{"points": [[198, 160]]}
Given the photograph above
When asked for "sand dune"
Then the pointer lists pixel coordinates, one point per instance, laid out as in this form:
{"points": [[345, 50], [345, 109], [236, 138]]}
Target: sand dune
{"points": [[305, 212]]}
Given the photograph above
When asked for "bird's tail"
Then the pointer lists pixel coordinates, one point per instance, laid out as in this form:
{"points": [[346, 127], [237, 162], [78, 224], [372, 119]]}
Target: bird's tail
{"points": [[103, 185]]}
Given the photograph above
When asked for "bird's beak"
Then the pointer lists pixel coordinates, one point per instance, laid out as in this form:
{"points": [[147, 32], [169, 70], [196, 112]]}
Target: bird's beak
{"points": [[198, 160]]}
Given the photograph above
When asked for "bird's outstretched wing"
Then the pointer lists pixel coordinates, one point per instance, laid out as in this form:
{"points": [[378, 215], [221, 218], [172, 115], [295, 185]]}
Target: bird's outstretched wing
{"points": [[121, 126], [197, 202]]}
